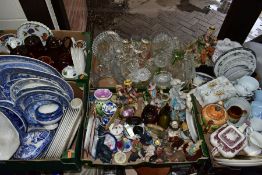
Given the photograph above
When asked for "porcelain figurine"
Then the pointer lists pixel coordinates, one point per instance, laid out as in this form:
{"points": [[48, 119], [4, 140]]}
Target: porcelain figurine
{"points": [[213, 116], [121, 97], [152, 90], [150, 151], [193, 150], [130, 91], [174, 129]]}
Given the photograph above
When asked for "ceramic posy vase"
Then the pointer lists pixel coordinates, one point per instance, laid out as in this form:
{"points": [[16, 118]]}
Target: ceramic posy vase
{"points": [[164, 118]]}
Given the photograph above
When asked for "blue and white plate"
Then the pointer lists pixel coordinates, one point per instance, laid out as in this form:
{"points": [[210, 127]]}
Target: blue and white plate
{"points": [[30, 83], [15, 117], [24, 65], [35, 96], [42, 88], [11, 74], [33, 145], [30, 112], [12, 59], [9, 138]]}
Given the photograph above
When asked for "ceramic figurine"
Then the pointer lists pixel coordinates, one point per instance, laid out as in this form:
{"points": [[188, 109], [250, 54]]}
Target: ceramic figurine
{"points": [[174, 129], [192, 150], [152, 90], [204, 47], [130, 91], [150, 151], [121, 97]]}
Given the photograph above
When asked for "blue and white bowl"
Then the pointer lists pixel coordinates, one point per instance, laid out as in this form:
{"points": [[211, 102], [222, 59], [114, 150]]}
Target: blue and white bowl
{"points": [[109, 108]]}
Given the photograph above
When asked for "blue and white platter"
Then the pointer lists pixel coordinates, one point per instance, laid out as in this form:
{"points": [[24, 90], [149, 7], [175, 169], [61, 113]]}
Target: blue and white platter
{"points": [[10, 74], [12, 59], [15, 117], [33, 145], [44, 88], [34, 96], [30, 83]]}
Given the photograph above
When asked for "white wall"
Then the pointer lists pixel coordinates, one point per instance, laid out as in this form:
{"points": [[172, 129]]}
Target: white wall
{"points": [[11, 14]]}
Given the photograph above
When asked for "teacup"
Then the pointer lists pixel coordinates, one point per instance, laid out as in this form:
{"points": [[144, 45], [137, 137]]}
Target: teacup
{"points": [[14, 42], [69, 72], [235, 113]]}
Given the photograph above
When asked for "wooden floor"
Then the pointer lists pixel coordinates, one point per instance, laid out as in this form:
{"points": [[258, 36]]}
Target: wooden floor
{"points": [[77, 14]]}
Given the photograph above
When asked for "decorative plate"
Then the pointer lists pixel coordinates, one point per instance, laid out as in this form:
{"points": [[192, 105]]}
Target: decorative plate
{"points": [[35, 96], [10, 74], [109, 108], [236, 57], [30, 83], [43, 88], [9, 141], [33, 145], [34, 28], [15, 117], [12, 59]]}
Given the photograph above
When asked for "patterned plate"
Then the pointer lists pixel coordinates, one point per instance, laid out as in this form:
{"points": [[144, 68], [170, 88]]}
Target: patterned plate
{"points": [[34, 28], [12, 59], [33, 145], [10, 74], [236, 57]]}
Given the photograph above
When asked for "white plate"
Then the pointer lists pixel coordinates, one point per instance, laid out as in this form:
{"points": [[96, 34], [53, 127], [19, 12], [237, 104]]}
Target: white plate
{"points": [[191, 126], [231, 56], [242, 164], [245, 159], [34, 28]]}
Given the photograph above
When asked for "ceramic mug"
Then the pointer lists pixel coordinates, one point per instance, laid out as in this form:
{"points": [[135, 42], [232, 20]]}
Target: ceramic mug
{"points": [[14, 42]]}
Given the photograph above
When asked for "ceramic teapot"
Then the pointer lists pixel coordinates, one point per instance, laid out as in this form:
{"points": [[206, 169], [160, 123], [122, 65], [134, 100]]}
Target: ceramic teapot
{"points": [[213, 116]]}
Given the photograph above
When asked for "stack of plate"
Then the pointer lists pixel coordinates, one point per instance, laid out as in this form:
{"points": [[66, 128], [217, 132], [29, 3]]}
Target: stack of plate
{"points": [[242, 161], [235, 63], [34, 98]]}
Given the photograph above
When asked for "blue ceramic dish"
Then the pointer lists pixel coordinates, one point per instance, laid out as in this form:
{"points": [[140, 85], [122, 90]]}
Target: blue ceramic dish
{"points": [[33, 145], [12, 74], [23, 85], [40, 88], [15, 117], [17, 58], [48, 112], [34, 96]]}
